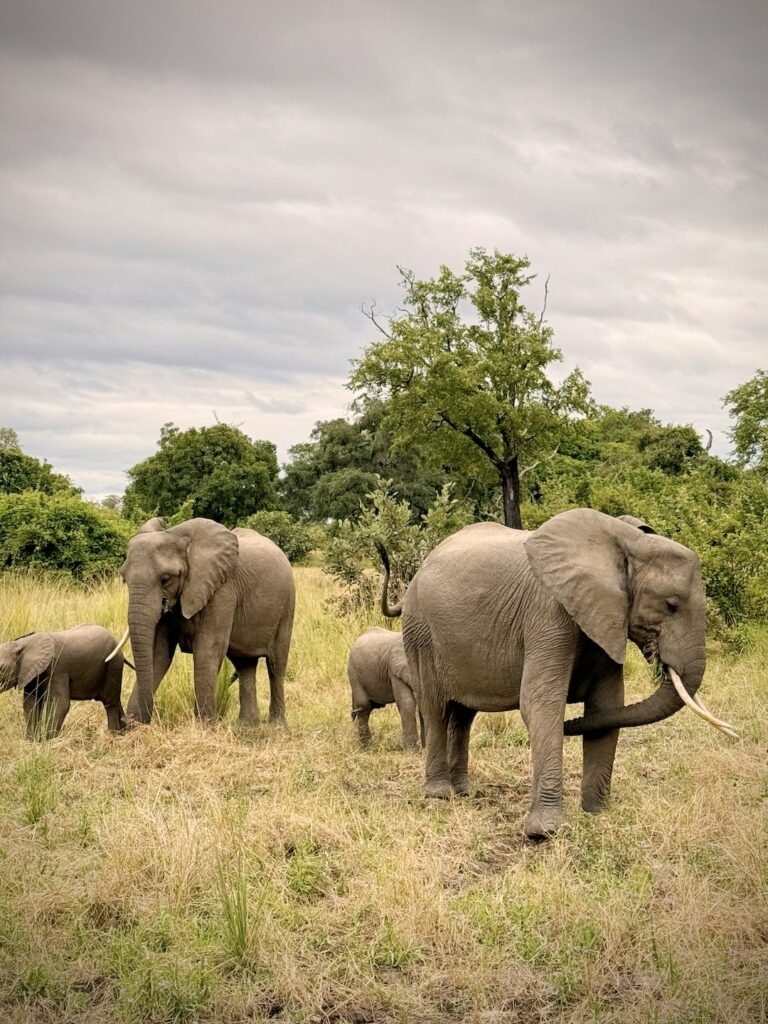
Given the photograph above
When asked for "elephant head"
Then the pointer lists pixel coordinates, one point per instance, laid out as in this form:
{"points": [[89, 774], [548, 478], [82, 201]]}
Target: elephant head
{"points": [[22, 660], [183, 565], [617, 579]]}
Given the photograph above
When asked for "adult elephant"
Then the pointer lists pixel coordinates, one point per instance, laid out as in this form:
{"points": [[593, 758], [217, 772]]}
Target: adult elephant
{"points": [[212, 592], [497, 619]]}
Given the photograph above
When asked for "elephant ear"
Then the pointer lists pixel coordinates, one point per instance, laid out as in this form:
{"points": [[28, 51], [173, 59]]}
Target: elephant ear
{"points": [[579, 560], [153, 525], [36, 655], [634, 521], [212, 553]]}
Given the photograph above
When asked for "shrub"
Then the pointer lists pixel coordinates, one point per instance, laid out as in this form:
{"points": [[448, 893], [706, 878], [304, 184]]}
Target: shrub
{"points": [[60, 532], [295, 539], [407, 537]]}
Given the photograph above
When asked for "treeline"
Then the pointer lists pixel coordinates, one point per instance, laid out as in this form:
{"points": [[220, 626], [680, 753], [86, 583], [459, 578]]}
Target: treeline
{"points": [[455, 389]]}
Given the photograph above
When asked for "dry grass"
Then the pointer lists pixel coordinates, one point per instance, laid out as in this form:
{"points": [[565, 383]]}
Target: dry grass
{"points": [[180, 874]]}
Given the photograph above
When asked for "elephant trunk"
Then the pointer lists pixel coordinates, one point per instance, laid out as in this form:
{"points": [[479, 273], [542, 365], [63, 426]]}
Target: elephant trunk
{"points": [[142, 622], [662, 703]]}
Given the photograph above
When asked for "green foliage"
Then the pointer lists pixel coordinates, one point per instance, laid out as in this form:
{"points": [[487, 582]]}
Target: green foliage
{"points": [[475, 390], [295, 539], [20, 472], [60, 532], [327, 475], [749, 407], [407, 536], [220, 472]]}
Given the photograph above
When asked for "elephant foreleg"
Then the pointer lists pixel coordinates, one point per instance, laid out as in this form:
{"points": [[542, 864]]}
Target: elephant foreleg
{"points": [[111, 695], [599, 749], [542, 704], [208, 656], [56, 707], [34, 704], [460, 720]]}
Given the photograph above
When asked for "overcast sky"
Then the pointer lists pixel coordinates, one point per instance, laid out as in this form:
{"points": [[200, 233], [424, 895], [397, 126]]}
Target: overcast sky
{"points": [[197, 195]]}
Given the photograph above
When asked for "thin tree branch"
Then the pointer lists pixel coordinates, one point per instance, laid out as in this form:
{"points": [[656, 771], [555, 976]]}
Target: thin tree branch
{"points": [[538, 462], [370, 314]]}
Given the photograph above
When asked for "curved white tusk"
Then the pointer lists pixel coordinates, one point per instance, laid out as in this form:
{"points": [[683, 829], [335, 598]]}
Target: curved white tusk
{"points": [[704, 708], [123, 642], [697, 707]]}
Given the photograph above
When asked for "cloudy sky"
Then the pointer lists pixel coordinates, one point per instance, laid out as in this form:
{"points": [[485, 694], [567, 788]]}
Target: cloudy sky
{"points": [[196, 196]]}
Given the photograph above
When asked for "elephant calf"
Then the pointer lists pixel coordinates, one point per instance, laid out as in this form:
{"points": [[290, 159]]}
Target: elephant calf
{"points": [[378, 675], [55, 668]]}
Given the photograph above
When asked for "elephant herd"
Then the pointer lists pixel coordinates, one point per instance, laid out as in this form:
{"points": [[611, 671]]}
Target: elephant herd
{"points": [[495, 619]]}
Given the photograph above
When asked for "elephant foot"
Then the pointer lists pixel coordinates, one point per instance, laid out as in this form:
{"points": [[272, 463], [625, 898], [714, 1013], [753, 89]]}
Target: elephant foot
{"points": [[593, 803], [461, 786], [249, 721], [438, 789], [277, 720], [542, 823]]}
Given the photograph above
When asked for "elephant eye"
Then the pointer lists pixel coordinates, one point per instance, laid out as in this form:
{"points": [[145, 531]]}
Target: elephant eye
{"points": [[164, 579], [672, 604]]}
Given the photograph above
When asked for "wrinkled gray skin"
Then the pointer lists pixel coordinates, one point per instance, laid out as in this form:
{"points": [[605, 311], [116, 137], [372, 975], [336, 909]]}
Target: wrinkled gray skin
{"points": [[378, 675], [55, 668], [497, 619], [212, 592]]}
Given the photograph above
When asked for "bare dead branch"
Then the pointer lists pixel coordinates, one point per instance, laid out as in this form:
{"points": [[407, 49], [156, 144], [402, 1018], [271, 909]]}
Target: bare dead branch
{"points": [[370, 314], [544, 307]]}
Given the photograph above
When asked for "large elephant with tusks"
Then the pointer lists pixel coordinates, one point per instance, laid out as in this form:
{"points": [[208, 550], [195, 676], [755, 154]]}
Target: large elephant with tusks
{"points": [[497, 619], [211, 592]]}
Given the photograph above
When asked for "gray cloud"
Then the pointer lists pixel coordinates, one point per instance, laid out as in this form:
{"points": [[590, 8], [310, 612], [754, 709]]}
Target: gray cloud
{"points": [[197, 196]]}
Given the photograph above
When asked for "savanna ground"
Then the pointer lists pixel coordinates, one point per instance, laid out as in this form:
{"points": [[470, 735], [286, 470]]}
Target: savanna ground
{"points": [[180, 874]]}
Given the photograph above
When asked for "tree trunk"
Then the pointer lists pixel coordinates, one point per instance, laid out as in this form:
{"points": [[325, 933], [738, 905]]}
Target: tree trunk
{"points": [[510, 489]]}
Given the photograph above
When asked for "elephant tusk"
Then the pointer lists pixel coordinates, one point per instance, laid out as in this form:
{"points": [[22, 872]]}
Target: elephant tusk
{"points": [[697, 707], [123, 642], [724, 725]]}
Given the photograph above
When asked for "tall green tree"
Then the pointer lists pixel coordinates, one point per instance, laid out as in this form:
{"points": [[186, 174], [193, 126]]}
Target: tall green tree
{"points": [[329, 475], [21, 472], [464, 368], [217, 472], [749, 407]]}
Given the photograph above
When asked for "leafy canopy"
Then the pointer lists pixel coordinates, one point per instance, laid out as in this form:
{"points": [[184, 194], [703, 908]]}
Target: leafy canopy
{"points": [[21, 472], [465, 367], [749, 407], [217, 472], [328, 475]]}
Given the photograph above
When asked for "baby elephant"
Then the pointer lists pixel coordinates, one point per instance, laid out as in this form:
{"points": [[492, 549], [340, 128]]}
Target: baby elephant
{"points": [[378, 675], [55, 668]]}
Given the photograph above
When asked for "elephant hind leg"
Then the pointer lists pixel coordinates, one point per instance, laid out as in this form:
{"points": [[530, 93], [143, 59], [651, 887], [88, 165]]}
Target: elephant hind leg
{"points": [[360, 715], [276, 670], [249, 701], [432, 704], [406, 706], [460, 720]]}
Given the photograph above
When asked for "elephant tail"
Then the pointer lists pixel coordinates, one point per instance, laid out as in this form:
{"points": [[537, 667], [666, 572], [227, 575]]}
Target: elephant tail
{"points": [[390, 611]]}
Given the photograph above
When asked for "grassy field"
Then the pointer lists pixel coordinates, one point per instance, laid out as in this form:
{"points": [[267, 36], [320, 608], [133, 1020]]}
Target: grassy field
{"points": [[182, 874]]}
